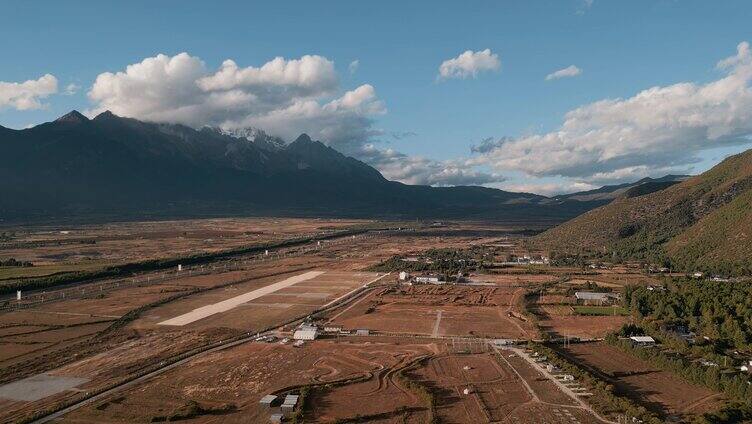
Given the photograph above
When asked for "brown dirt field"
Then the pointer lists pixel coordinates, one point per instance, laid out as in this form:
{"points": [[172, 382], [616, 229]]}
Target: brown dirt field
{"points": [[51, 331], [57, 335], [16, 329], [44, 318], [415, 310], [607, 278], [131, 356], [10, 351], [537, 413], [558, 310], [115, 303], [541, 385], [581, 326], [659, 391], [245, 373], [131, 241], [419, 319], [496, 390], [515, 279], [389, 318], [448, 295], [482, 322], [498, 394], [554, 299]]}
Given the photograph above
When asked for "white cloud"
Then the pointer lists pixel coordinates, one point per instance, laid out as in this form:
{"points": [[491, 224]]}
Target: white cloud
{"points": [[27, 95], [568, 72], [418, 170], [307, 76], [548, 188], [584, 6], [71, 89], [353, 66], [469, 64], [344, 123], [283, 96], [661, 128]]}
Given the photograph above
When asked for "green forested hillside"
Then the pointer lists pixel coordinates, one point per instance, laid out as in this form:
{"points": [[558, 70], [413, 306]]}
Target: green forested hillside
{"points": [[703, 223]]}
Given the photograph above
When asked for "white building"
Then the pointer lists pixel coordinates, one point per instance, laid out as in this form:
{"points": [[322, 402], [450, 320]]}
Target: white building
{"points": [[289, 404], [306, 332], [594, 297], [642, 340], [267, 400], [430, 280], [404, 275]]}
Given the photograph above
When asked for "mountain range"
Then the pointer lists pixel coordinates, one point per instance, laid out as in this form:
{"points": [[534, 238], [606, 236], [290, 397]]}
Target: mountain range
{"points": [[114, 167], [702, 223]]}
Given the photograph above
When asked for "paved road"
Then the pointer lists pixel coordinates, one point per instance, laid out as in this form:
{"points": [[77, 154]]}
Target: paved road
{"points": [[233, 302], [436, 324]]}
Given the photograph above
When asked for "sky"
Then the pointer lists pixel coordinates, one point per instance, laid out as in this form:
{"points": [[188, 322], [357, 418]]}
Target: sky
{"points": [[540, 96]]}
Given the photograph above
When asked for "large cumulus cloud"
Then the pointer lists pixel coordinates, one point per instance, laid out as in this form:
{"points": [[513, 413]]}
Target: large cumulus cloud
{"points": [[658, 130], [284, 97], [27, 95]]}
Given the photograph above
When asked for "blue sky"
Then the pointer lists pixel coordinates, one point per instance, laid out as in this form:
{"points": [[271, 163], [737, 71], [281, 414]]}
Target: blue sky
{"points": [[621, 49]]}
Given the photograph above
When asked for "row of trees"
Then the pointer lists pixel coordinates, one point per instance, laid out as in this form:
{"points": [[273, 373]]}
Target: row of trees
{"points": [[444, 261], [16, 263]]}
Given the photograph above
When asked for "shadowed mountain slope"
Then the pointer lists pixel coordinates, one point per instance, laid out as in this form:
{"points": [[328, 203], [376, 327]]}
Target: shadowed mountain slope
{"points": [[701, 223], [114, 167]]}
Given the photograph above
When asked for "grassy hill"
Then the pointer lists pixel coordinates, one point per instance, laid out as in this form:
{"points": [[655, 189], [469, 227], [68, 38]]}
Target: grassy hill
{"points": [[703, 223]]}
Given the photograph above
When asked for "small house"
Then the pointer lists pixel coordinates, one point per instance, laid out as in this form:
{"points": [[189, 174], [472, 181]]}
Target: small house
{"points": [[267, 400], [501, 342], [290, 402], [276, 418], [642, 341], [427, 280], [594, 298]]}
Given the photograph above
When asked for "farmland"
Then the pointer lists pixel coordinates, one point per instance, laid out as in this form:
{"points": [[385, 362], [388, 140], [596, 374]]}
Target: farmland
{"points": [[207, 342], [658, 390]]}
